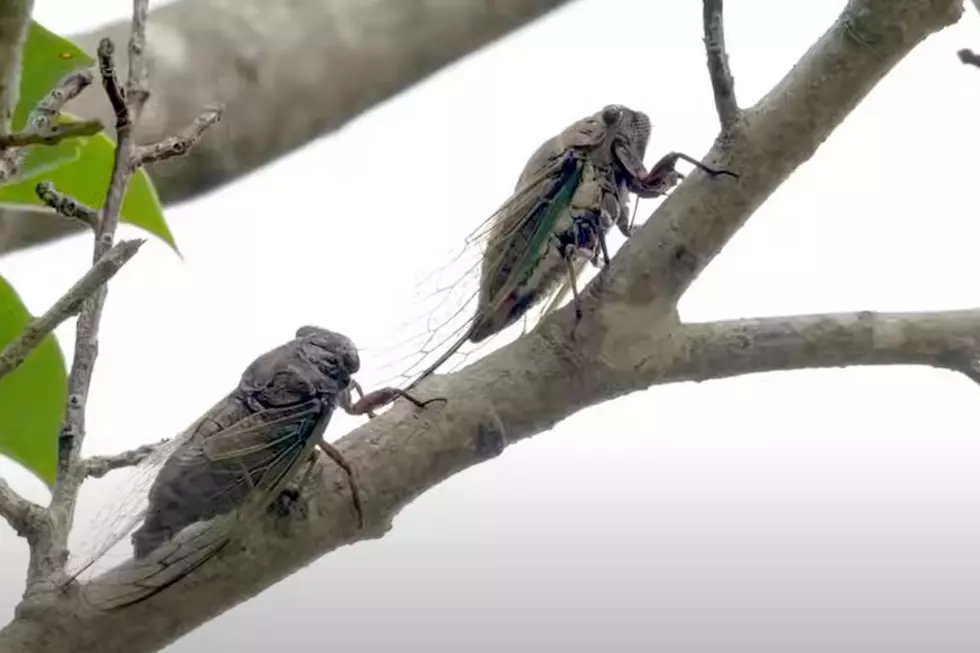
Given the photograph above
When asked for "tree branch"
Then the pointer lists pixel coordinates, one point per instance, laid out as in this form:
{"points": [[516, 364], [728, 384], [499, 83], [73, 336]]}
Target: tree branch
{"points": [[67, 205], [355, 55], [43, 120], [52, 136], [721, 75], [15, 18], [99, 466], [67, 305], [180, 144], [942, 339], [25, 517], [48, 554], [627, 339]]}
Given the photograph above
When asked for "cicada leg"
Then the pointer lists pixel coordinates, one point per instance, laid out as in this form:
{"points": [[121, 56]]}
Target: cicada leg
{"points": [[290, 495], [371, 401], [334, 454]]}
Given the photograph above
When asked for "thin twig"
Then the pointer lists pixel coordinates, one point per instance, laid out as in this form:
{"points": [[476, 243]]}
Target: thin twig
{"points": [[127, 106], [99, 466], [722, 82], [107, 70], [53, 135], [69, 304], [127, 103], [178, 145], [23, 515], [67, 205], [969, 57], [43, 118]]}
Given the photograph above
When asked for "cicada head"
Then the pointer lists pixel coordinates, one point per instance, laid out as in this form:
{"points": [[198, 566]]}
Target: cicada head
{"points": [[628, 127], [329, 349]]}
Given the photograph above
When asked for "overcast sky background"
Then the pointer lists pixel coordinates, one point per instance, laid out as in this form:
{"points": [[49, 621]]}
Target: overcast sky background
{"points": [[830, 510]]}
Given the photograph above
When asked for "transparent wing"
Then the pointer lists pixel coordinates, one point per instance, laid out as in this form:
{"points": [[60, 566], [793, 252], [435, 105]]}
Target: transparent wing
{"points": [[500, 249], [225, 475]]}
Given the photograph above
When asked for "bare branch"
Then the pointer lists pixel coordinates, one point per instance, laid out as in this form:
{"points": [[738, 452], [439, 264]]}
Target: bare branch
{"points": [[127, 106], [127, 102], [53, 135], [69, 304], [715, 350], [67, 205], [99, 466], [107, 71], [22, 515], [722, 82], [180, 144], [44, 118]]}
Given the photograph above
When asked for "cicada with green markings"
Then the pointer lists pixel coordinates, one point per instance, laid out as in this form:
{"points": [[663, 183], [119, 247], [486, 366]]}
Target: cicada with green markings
{"points": [[530, 252]]}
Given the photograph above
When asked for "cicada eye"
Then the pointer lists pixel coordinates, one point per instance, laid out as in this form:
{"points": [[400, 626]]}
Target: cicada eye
{"points": [[351, 361], [611, 114]]}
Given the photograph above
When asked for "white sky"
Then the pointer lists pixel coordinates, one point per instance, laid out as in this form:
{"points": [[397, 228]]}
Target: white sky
{"points": [[803, 511]]}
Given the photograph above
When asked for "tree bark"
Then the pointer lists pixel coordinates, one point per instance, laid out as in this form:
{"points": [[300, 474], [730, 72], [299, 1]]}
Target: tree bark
{"points": [[288, 72]]}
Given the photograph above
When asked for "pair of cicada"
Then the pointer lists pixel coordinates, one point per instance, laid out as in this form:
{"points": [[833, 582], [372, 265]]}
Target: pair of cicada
{"points": [[240, 456]]}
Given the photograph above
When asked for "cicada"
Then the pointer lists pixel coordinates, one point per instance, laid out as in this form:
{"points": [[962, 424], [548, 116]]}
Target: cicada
{"points": [[573, 189], [233, 462]]}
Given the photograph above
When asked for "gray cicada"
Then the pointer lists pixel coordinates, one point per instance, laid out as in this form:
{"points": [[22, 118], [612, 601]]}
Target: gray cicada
{"points": [[235, 460], [574, 188]]}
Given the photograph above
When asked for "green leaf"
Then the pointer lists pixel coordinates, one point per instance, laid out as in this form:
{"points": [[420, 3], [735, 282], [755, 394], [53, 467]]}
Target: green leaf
{"points": [[47, 59], [42, 158], [32, 397], [87, 178]]}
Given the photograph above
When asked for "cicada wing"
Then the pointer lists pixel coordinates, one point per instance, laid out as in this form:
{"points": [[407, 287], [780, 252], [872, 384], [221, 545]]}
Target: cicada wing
{"points": [[239, 469], [101, 539], [500, 252]]}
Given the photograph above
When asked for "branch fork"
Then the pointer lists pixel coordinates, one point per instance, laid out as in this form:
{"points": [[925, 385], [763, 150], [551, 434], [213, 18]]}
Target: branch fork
{"points": [[47, 528]]}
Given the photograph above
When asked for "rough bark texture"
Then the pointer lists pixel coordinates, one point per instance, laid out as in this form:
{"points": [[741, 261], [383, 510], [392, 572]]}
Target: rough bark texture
{"points": [[291, 70], [628, 340]]}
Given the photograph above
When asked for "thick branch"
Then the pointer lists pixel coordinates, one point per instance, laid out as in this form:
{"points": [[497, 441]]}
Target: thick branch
{"points": [[715, 350], [69, 304], [779, 133], [355, 55], [627, 340], [721, 75]]}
